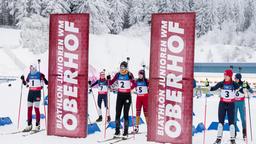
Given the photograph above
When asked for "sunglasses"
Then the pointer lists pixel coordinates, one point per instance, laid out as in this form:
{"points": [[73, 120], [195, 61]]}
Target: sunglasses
{"points": [[123, 68]]}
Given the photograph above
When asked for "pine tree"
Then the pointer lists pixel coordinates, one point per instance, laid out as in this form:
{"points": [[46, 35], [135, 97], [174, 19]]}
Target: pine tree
{"points": [[206, 12], [137, 12], [4, 12], [99, 15], [221, 14], [248, 14], [164, 6], [55, 6], [127, 12], [116, 15], [151, 7]]}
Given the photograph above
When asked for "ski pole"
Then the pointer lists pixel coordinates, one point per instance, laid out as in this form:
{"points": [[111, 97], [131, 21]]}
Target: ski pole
{"points": [[144, 67], [249, 115], [105, 129], [240, 69], [205, 109], [132, 121], [106, 116], [89, 119], [45, 119], [128, 59], [20, 106], [94, 100]]}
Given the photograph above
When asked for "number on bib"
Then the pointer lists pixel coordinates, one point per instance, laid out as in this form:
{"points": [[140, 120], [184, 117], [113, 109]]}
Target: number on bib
{"points": [[122, 84], [237, 93], [103, 88], [125, 84], [142, 89], [227, 94], [34, 83]]}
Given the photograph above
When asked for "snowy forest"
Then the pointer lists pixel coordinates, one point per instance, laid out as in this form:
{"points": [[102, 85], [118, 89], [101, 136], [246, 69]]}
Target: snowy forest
{"points": [[229, 21]]}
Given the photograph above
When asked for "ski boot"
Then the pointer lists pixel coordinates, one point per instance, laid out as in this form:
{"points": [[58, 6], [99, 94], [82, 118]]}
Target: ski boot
{"points": [[136, 129], [244, 134], [232, 141], [27, 129], [99, 119], [117, 133], [108, 119], [36, 129], [125, 134], [218, 141]]}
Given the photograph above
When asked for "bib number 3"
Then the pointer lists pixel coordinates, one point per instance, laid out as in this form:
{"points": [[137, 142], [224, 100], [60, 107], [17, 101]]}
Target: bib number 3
{"points": [[227, 94]]}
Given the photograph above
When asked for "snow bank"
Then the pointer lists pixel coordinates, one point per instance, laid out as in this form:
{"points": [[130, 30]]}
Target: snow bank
{"points": [[9, 37]]}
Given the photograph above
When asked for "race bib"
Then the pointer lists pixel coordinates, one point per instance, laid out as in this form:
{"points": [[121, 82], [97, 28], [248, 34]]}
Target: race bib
{"points": [[34, 83], [102, 88], [124, 84], [239, 95], [228, 94], [142, 90]]}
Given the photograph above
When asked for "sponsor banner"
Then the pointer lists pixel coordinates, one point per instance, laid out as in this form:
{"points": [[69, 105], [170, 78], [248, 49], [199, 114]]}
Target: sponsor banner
{"points": [[68, 75], [171, 78]]}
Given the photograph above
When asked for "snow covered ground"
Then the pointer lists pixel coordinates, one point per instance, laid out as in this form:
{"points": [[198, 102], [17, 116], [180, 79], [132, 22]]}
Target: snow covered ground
{"points": [[106, 51], [9, 107], [212, 116]]}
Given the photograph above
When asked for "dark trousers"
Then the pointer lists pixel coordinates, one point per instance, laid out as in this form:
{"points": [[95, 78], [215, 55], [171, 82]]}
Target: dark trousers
{"points": [[34, 97], [103, 97], [123, 100], [226, 108]]}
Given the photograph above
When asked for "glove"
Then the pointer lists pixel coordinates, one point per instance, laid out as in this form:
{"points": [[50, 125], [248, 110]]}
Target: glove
{"points": [[207, 83], [245, 84], [130, 76], [90, 82], [22, 77], [108, 77], [46, 82]]}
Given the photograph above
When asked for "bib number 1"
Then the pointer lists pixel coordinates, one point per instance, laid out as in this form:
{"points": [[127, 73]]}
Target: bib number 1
{"points": [[33, 83]]}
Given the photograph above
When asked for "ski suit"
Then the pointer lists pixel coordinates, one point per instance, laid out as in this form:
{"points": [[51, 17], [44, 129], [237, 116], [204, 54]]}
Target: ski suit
{"points": [[226, 105], [33, 81]]}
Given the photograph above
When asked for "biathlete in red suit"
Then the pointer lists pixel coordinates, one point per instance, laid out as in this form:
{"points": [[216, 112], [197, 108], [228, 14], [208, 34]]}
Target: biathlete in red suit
{"points": [[142, 98]]}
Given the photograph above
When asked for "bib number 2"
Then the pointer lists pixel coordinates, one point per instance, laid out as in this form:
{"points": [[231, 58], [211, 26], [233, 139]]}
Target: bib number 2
{"points": [[122, 84]]}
